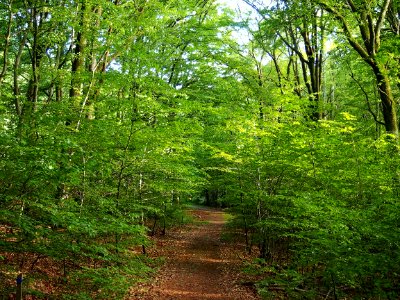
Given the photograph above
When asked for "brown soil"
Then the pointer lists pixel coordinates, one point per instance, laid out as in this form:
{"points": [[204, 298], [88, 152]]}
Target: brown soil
{"points": [[199, 265]]}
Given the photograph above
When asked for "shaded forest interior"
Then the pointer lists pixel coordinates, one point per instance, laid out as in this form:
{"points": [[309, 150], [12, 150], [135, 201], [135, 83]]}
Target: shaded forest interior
{"points": [[116, 114]]}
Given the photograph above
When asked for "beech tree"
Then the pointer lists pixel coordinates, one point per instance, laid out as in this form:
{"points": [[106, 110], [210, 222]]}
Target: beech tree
{"points": [[363, 24], [302, 31]]}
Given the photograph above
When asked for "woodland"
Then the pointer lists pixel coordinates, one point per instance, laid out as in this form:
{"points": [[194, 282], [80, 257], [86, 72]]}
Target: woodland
{"points": [[115, 114]]}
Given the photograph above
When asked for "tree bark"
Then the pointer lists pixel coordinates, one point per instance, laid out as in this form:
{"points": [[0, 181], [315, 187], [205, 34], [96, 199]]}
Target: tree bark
{"points": [[389, 111], [79, 57]]}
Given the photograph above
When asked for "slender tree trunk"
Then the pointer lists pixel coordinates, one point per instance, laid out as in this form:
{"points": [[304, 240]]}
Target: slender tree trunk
{"points": [[78, 61], [7, 42], [16, 67], [246, 228]]}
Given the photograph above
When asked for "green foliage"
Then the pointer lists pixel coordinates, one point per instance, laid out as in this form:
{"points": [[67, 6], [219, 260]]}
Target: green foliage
{"points": [[115, 114], [110, 281], [324, 207]]}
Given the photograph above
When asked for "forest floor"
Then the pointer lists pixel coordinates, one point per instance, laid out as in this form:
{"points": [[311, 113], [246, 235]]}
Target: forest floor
{"points": [[200, 263]]}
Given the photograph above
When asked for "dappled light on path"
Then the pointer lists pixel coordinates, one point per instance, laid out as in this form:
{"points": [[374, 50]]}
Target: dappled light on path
{"points": [[199, 264]]}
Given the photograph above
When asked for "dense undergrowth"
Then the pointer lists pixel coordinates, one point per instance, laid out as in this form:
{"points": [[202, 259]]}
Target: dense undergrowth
{"points": [[322, 215], [84, 267]]}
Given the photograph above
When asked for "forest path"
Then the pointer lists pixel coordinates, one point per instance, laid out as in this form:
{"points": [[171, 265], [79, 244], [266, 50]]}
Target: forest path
{"points": [[199, 265]]}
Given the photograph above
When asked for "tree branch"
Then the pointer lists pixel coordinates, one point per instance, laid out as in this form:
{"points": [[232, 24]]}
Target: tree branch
{"points": [[379, 23], [346, 28], [366, 98]]}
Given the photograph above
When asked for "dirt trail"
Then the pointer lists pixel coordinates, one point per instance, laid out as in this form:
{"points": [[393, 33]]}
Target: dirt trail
{"points": [[199, 265]]}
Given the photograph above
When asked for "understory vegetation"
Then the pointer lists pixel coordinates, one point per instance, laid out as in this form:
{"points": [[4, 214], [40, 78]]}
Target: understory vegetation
{"points": [[116, 114]]}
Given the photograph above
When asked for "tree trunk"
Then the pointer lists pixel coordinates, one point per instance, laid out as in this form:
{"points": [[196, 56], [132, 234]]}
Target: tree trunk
{"points": [[388, 104], [79, 57], [6, 43]]}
